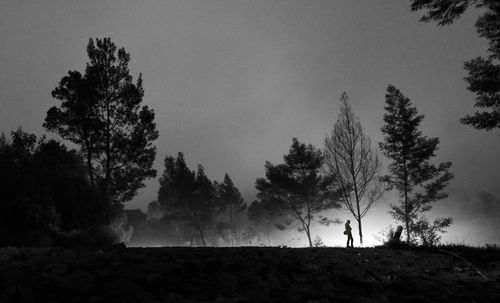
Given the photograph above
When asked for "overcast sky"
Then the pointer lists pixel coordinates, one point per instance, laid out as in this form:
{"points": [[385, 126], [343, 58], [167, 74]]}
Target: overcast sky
{"points": [[232, 82]]}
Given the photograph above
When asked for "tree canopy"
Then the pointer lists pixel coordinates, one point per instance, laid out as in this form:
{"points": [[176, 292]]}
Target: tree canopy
{"points": [[483, 73], [101, 112]]}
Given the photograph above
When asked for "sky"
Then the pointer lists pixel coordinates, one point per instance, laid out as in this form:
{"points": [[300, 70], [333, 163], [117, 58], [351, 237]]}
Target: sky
{"points": [[233, 81]]}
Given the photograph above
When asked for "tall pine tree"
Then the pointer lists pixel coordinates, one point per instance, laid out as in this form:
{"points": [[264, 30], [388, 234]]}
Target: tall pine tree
{"points": [[101, 112], [410, 172], [230, 202], [187, 196]]}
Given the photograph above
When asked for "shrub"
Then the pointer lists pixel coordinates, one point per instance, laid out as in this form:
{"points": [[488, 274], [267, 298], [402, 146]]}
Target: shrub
{"points": [[427, 234], [318, 242]]}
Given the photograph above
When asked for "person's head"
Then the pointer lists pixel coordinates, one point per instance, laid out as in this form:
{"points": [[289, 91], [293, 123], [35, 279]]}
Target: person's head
{"points": [[348, 222]]}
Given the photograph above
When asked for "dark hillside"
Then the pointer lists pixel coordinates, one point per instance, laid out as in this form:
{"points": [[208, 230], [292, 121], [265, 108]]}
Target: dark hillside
{"points": [[248, 274]]}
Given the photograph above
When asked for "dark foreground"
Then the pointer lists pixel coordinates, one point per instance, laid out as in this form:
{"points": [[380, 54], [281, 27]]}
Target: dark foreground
{"points": [[247, 275]]}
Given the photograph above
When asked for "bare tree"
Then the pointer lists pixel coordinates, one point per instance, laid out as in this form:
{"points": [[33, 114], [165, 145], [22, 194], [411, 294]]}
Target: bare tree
{"points": [[350, 159]]}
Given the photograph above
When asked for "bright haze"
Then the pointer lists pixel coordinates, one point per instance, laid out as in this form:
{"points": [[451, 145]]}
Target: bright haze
{"points": [[232, 82]]}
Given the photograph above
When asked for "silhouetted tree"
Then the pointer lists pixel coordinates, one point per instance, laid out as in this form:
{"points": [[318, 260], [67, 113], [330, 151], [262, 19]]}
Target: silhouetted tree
{"points": [[230, 202], [20, 214], [46, 195], [101, 112], [418, 181], [64, 180], [483, 73], [188, 196], [205, 199], [351, 161], [298, 188]]}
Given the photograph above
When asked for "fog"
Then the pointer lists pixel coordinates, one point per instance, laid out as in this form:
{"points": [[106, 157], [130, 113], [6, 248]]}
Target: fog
{"points": [[232, 82]]}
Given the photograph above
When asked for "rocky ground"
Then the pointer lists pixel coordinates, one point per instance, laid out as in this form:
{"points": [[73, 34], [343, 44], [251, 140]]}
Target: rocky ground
{"points": [[248, 274]]}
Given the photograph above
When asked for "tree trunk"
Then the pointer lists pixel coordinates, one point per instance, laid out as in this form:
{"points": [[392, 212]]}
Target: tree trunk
{"points": [[89, 166], [108, 165], [407, 211], [360, 232], [308, 233], [359, 217], [107, 150], [407, 217], [356, 193], [407, 231], [194, 220], [231, 223], [201, 235]]}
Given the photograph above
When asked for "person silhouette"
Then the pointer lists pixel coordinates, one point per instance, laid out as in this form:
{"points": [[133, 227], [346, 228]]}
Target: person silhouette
{"points": [[348, 233]]}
